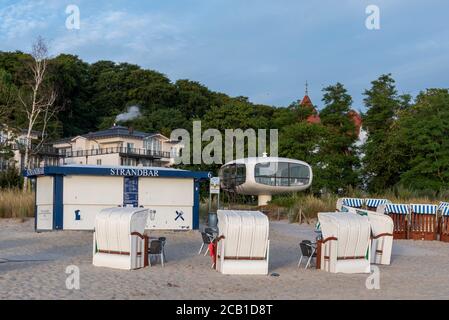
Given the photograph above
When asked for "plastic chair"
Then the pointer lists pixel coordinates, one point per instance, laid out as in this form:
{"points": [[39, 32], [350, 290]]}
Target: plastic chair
{"points": [[307, 250], [207, 239], [163, 241], [156, 249]]}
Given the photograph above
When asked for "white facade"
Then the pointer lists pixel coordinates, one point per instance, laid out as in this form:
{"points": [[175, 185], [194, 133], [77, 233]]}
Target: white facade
{"points": [[70, 197]]}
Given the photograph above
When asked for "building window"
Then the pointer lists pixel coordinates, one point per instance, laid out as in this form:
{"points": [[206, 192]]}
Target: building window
{"points": [[282, 174], [153, 144], [232, 175], [98, 162]]}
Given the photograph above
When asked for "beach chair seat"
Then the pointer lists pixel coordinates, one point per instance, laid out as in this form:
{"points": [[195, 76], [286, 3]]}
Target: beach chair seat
{"points": [[345, 245], [423, 222], [400, 215], [444, 224]]}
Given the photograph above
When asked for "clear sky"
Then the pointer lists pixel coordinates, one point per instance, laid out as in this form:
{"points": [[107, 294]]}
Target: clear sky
{"points": [[262, 49]]}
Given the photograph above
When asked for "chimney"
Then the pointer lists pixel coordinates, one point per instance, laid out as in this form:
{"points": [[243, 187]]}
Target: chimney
{"points": [[131, 130]]}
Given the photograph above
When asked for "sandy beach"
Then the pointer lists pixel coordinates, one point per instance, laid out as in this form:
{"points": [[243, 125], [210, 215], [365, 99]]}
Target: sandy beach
{"points": [[418, 270]]}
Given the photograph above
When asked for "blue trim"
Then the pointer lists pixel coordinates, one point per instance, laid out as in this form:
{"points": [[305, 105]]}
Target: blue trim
{"points": [[117, 171], [196, 205], [35, 208], [58, 208]]}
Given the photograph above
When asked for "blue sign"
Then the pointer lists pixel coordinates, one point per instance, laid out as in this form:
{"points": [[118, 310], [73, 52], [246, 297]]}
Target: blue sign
{"points": [[131, 192]]}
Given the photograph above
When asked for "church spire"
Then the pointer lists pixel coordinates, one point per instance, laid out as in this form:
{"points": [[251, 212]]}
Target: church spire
{"points": [[307, 88]]}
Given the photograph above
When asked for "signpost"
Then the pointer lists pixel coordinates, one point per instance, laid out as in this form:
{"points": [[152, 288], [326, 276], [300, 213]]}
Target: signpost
{"points": [[214, 188]]}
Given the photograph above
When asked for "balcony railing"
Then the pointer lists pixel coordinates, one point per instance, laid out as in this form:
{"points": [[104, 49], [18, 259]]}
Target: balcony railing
{"points": [[122, 150], [42, 150]]}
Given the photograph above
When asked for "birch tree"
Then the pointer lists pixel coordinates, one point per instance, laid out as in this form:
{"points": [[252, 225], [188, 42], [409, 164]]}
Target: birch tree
{"points": [[38, 102]]}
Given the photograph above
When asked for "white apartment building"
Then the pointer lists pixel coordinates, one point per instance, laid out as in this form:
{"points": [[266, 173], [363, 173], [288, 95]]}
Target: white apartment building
{"points": [[119, 146], [115, 146]]}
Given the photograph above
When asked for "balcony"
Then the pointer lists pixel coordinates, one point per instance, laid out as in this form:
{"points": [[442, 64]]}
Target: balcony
{"points": [[43, 150], [123, 151]]}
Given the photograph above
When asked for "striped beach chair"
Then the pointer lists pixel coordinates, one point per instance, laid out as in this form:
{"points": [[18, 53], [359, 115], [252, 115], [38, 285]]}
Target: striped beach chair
{"points": [[399, 213], [442, 205], [372, 204], [353, 202], [444, 224], [423, 221]]}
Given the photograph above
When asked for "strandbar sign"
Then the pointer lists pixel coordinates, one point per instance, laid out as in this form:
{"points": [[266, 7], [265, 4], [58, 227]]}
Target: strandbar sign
{"points": [[134, 172]]}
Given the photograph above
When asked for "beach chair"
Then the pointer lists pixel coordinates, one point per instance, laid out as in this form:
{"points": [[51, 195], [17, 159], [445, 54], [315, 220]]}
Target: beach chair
{"points": [[119, 241], [350, 202], [442, 205], [345, 244], [382, 227], [444, 224], [373, 204], [423, 222], [244, 246], [400, 215], [381, 234]]}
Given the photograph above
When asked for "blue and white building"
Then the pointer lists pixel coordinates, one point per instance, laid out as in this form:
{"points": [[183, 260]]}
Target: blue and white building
{"points": [[69, 197]]}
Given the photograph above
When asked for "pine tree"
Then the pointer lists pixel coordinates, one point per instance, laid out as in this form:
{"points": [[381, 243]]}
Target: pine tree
{"points": [[382, 103], [339, 164]]}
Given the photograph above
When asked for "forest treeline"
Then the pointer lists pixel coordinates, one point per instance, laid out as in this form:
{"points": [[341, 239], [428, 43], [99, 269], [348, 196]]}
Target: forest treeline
{"points": [[408, 137]]}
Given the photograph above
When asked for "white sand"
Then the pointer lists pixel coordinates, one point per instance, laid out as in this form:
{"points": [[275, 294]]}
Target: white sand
{"points": [[419, 270]]}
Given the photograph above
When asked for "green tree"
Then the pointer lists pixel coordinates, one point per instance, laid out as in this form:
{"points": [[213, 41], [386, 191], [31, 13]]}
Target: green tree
{"points": [[382, 103], [422, 134], [304, 141], [339, 164]]}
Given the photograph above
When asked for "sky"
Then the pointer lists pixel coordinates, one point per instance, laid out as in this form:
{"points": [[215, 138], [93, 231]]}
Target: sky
{"points": [[262, 49]]}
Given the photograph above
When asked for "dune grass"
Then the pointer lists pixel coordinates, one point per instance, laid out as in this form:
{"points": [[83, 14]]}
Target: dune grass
{"points": [[302, 207], [16, 204]]}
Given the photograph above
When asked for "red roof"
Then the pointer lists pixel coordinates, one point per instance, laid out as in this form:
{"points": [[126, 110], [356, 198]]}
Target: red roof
{"points": [[306, 101], [357, 119], [314, 117]]}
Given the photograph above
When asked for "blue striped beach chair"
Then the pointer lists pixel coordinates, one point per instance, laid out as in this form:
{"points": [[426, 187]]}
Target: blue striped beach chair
{"points": [[353, 202], [372, 204], [442, 205], [399, 213], [444, 224], [423, 222]]}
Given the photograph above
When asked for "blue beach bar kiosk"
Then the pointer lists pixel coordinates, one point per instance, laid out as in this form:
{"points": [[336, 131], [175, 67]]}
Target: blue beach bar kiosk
{"points": [[69, 197]]}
